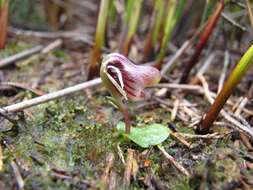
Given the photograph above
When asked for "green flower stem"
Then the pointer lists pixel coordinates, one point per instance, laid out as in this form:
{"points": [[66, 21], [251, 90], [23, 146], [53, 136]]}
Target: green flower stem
{"points": [[132, 18], [152, 37], [99, 38], [1, 3], [169, 26], [207, 10], [229, 86]]}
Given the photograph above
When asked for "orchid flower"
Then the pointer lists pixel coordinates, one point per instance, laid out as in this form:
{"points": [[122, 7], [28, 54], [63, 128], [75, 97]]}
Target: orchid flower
{"points": [[126, 81]]}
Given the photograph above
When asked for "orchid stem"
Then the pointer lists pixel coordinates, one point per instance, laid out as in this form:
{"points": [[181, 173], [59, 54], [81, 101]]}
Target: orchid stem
{"points": [[127, 120]]}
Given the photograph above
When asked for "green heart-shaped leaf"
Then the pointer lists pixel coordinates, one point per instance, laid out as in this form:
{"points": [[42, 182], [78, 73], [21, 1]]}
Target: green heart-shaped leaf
{"points": [[149, 135]]}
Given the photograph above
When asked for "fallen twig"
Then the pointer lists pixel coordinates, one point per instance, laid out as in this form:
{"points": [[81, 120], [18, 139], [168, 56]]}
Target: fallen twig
{"points": [[128, 169], [174, 162], [233, 22], [19, 56], [181, 139], [48, 97], [55, 44], [1, 159], [46, 35], [19, 179], [106, 174], [23, 86], [224, 71], [29, 52], [207, 136]]}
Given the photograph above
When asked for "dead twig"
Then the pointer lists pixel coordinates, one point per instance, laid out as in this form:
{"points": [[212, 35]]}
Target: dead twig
{"points": [[50, 47], [19, 56], [207, 136], [242, 104], [181, 139], [46, 35], [175, 109], [106, 174], [128, 168], [233, 22], [196, 88], [248, 5], [19, 179], [1, 158], [203, 68], [174, 162], [120, 153], [49, 97], [22, 86], [224, 71]]}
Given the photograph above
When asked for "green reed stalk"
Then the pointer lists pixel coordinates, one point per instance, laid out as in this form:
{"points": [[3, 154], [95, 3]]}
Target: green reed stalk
{"points": [[153, 34], [130, 26], [99, 39], [175, 10], [235, 77]]}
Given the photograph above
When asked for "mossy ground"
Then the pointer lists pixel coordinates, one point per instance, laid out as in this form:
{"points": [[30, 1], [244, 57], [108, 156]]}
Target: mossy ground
{"points": [[64, 144]]}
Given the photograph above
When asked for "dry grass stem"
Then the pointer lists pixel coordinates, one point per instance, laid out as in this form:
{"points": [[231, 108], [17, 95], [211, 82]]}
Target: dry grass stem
{"points": [[174, 162]]}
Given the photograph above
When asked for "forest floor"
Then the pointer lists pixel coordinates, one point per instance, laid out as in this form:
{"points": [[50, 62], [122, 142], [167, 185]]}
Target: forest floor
{"points": [[73, 143]]}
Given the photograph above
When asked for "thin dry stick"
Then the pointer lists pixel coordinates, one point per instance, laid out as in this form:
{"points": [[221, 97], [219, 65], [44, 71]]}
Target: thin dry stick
{"points": [[128, 169], [106, 174], [241, 106], [55, 44], [19, 179], [29, 52], [181, 139], [187, 44], [19, 56], [22, 86], [248, 131], [233, 22], [175, 57], [1, 158], [196, 88], [179, 86], [237, 104], [224, 71], [51, 96], [206, 64], [174, 162], [175, 109], [46, 35], [207, 136], [250, 13], [120, 153]]}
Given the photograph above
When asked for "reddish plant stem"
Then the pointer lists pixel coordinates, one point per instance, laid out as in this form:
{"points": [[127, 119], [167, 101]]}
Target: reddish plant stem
{"points": [[93, 67], [127, 120], [211, 23], [3, 23], [148, 48]]}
